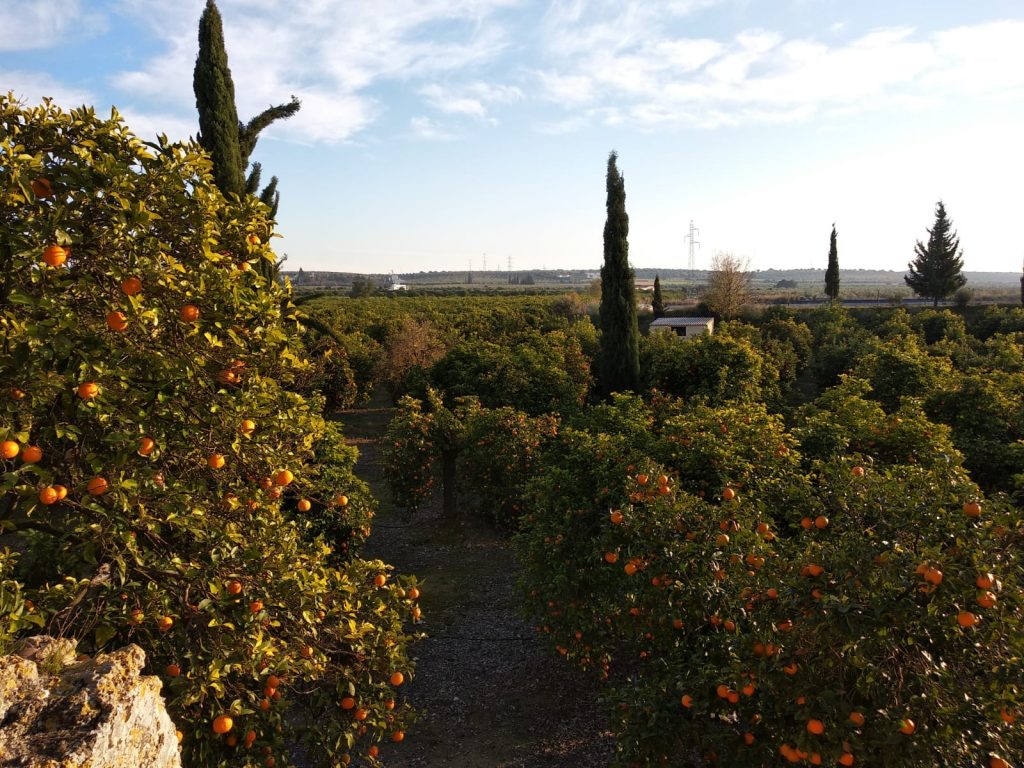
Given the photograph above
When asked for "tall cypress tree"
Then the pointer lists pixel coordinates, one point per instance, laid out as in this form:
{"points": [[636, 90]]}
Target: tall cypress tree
{"points": [[936, 271], [229, 141], [658, 302], [215, 100], [832, 273], [620, 337]]}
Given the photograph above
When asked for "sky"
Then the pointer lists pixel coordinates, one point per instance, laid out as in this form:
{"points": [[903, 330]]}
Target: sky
{"points": [[459, 134]]}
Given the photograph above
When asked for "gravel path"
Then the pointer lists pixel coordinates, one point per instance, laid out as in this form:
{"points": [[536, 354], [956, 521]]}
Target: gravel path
{"points": [[490, 696]]}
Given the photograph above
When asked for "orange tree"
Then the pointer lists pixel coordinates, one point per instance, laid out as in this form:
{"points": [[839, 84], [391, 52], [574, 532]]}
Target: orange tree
{"points": [[150, 434], [820, 608]]}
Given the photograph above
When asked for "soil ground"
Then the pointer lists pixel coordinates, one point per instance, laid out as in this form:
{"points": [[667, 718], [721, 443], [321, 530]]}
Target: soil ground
{"points": [[490, 694]]}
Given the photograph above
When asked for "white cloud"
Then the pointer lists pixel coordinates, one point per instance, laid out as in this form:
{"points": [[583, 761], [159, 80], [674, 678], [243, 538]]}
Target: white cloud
{"points": [[471, 100], [33, 87], [656, 79], [32, 24], [425, 128]]}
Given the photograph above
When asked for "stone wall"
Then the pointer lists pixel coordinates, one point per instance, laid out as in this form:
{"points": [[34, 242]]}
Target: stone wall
{"points": [[60, 712]]}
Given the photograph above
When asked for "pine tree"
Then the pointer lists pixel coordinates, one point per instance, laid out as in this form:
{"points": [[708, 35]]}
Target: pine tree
{"points": [[620, 338], [657, 302], [936, 271], [215, 100], [832, 273]]}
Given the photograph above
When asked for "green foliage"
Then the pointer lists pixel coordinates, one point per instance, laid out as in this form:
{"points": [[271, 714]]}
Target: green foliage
{"points": [[901, 368], [620, 337], [832, 273], [936, 272], [153, 554], [657, 300]]}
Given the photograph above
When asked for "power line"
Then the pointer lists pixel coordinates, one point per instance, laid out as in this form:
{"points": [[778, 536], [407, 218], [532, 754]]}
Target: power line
{"points": [[692, 264]]}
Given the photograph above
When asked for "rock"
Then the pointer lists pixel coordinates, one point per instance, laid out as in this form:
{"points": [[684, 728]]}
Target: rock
{"points": [[57, 712]]}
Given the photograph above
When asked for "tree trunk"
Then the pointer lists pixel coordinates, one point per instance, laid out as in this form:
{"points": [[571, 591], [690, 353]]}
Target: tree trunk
{"points": [[448, 482]]}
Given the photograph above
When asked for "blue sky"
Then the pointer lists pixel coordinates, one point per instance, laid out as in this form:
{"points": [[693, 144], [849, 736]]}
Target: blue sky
{"points": [[437, 133]]}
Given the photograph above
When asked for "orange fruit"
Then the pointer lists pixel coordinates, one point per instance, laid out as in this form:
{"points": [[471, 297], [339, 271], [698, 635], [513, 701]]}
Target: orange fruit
{"points": [[611, 557], [748, 689], [131, 286], [722, 539], [264, 704], [686, 701], [857, 719], [164, 623], [306, 652], [722, 691], [48, 495], [389, 704], [907, 726], [54, 255], [772, 593], [172, 670], [348, 702], [380, 580], [815, 726], [821, 522], [284, 477], [360, 714], [629, 568], [62, 492], [179, 736], [234, 587], [616, 517], [97, 486], [728, 494], [857, 472], [88, 390], [117, 321], [1007, 717], [304, 505], [642, 479], [414, 594], [223, 724], [933, 576], [997, 762], [247, 427], [31, 454], [41, 187], [397, 736], [397, 678], [986, 599], [966, 619], [274, 682], [972, 509], [215, 461], [256, 606], [373, 751], [250, 737], [846, 759], [791, 669], [146, 446], [9, 449], [189, 313], [806, 523], [985, 581], [341, 500]]}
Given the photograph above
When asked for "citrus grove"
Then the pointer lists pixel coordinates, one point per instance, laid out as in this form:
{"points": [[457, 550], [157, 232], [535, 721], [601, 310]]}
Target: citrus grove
{"points": [[163, 483], [764, 583]]}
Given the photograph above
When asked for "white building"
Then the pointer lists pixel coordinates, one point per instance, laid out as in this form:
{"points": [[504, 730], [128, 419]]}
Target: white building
{"points": [[684, 326]]}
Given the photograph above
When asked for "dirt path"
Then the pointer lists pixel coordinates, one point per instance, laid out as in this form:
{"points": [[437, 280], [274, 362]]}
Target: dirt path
{"points": [[490, 696]]}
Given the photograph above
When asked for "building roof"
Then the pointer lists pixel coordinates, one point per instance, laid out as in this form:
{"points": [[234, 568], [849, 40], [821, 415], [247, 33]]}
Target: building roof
{"points": [[676, 322]]}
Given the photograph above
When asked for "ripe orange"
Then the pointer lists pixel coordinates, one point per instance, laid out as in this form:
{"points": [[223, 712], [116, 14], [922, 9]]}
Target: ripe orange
{"points": [[235, 588], [250, 737], [846, 759], [88, 390], [933, 576], [686, 701], [806, 523], [273, 681], [1007, 717], [341, 500], [62, 492], [117, 321], [256, 606], [722, 539], [373, 751], [179, 736], [642, 479], [284, 477], [791, 669], [304, 505], [907, 726], [997, 762], [172, 670], [146, 446], [414, 594], [616, 516], [966, 619], [97, 486], [164, 623], [857, 718], [247, 427], [9, 449], [215, 461], [222, 724], [611, 557], [972, 509], [397, 736], [360, 714], [41, 187], [986, 599], [985, 581], [857, 472], [722, 691], [821, 522], [662, 479], [348, 703], [48, 495], [131, 286], [749, 689], [306, 652], [54, 255], [397, 678], [728, 494], [629, 568], [380, 580], [815, 726], [189, 313]]}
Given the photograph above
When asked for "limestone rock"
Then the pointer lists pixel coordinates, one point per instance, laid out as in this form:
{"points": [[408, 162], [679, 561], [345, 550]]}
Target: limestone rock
{"points": [[57, 712]]}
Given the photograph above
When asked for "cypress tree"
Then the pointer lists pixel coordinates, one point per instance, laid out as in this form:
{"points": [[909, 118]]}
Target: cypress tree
{"points": [[936, 271], [657, 302], [215, 100], [832, 273], [620, 337]]}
